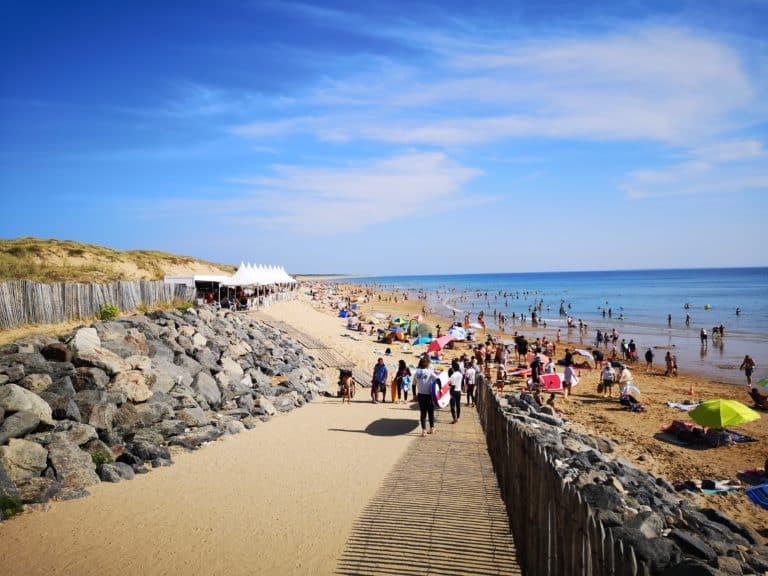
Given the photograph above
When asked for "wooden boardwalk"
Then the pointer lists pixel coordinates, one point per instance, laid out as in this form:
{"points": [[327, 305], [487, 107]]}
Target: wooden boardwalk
{"points": [[439, 511]]}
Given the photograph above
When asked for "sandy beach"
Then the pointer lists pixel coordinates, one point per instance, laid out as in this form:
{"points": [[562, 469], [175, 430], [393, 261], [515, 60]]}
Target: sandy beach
{"points": [[283, 498], [636, 435]]}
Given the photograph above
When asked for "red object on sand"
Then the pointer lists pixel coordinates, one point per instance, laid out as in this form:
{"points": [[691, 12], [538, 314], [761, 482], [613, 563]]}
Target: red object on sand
{"points": [[438, 343], [551, 382]]}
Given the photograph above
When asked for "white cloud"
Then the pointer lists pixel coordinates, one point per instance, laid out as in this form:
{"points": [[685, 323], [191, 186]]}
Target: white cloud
{"points": [[318, 201], [659, 84], [726, 167]]}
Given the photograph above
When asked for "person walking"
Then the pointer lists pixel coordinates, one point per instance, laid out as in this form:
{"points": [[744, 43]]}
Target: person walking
{"points": [[608, 377], [748, 365], [569, 380], [379, 381], [470, 373], [648, 360], [402, 381], [457, 383], [703, 336], [424, 378]]}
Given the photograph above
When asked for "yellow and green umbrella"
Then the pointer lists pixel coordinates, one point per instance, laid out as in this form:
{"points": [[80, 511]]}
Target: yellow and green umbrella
{"points": [[722, 413]]}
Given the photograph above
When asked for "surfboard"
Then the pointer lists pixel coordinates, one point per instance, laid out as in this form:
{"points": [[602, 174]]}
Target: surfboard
{"points": [[442, 391]]}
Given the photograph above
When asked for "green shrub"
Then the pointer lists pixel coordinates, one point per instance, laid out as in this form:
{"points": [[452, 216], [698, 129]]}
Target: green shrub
{"points": [[185, 307], [9, 506], [108, 312], [100, 458]]}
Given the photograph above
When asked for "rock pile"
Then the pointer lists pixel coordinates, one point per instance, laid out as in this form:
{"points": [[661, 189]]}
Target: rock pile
{"points": [[105, 403], [667, 531]]}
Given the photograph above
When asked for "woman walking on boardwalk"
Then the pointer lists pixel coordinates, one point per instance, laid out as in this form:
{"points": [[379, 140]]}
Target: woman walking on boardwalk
{"points": [[457, 382], [402, 381], [424, 378]]}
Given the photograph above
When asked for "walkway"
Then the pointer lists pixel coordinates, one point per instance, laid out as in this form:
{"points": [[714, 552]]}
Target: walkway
{"points": [[439, 511]]}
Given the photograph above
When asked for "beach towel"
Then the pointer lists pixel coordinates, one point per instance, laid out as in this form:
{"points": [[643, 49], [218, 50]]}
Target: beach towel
{"points": [[740, 438], [759, 495], [682, 407]]}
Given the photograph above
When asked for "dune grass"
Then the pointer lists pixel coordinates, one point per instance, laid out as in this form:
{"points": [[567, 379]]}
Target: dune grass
{"points": [[50, 261]]}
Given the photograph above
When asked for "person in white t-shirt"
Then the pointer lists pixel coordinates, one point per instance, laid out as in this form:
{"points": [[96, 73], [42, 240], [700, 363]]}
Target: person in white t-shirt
{"points": [[470, 373], [424, 378], [457, 382]]}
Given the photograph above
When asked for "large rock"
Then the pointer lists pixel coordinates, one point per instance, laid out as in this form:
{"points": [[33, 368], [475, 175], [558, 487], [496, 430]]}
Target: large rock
{"points": [[102, 358], [74, 432], [38, 490], [8, 487], [23, 459], [692, 544], [14, 398], [102, 416], [86, 378], [126, 420], [131, 343], [194, 438], [232, 368], [189, 365], [57, 352], [74, 467], [208, 359], [36, 383], [177, 374], [193, 417], [266, 406], [85, 340], [62, 407], [18, 425], [154, 411], [206, 389], [133, 384], [138, 362]]}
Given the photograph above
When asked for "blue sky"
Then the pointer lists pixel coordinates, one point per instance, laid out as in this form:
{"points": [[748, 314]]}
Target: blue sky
{"points": [[396, 138]]}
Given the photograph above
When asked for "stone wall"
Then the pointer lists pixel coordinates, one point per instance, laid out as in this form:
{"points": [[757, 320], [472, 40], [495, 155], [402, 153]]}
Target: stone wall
{"points": [[105, 403], [574, 508]]}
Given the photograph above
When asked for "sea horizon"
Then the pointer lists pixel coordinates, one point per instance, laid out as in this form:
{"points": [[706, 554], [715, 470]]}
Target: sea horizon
{"points": [[640, 302]]}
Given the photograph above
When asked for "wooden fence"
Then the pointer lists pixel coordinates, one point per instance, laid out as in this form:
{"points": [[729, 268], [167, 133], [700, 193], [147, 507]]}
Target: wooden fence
{"points": [[26, 302], [556, 532]]}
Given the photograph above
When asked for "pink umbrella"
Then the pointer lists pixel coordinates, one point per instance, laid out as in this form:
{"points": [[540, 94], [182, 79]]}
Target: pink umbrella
{"points": [[438, 343]]}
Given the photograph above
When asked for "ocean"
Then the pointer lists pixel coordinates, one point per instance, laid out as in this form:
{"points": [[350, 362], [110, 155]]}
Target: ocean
{"points": [[639, 300]]}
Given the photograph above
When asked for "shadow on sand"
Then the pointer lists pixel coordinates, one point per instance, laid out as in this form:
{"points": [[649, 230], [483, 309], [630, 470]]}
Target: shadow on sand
{"points": [[385, 427]]}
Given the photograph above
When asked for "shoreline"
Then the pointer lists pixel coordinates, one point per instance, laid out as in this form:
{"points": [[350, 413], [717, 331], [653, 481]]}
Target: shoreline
{"points": [[637, 436]]}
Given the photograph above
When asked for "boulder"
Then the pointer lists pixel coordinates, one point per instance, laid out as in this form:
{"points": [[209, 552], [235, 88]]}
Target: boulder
{"points": [[62, 407], [125, 471], [266, 406], [74, 432], [57, 352], [36, 383], [62, 387], [692, 544], [168, 428], [131, 343], [207, 359], [23, 459], [192, 417], [102, 358], [38, 490], [3, 379], [126, 420], [18, 425], [89, 378], [232, 368], [691, 567], [87, 399], [199, 341], [138, 362], [102, 416], [109, 473], [15, 373], [149, 449], [189, 365], [73, 467], [133, 383], [177, 374], [234, 427], [14, 398], [85, 340], [8, 487], [206, 389], [649, 523], [155, 410], [194, 438]]}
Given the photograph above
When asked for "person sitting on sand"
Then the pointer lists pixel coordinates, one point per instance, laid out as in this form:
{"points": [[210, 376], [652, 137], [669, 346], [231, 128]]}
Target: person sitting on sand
{"points": [[759, 400], [625, 380]]}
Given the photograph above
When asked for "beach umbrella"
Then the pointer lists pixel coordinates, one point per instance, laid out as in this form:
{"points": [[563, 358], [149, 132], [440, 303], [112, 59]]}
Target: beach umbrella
{"points": [[722, 413], [418, 317], [458, 333], [438, 343], [761, 385]]}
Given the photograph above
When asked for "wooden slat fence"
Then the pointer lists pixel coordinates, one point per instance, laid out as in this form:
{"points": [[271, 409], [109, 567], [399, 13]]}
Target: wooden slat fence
{"points": [[555, 530], [26, 302]]}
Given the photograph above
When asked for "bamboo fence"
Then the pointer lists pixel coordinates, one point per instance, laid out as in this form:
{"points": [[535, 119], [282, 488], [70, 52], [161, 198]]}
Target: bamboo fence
{"points": [[556, 532], [25, 302]]}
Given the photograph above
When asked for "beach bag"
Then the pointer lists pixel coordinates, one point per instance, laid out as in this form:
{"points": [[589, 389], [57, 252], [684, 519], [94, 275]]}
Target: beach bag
{"points": [[599, 387]]}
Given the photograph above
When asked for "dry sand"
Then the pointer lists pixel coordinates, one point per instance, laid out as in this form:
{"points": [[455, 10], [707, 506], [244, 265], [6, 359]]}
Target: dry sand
{"points": [[637, 434], [279, 499]]}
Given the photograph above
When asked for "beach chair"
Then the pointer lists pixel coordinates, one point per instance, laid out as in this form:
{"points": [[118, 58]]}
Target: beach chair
{"points": [[759, 495]]}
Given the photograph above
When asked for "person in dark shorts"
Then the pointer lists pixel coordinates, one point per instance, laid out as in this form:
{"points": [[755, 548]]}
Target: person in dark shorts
{"points": [[379, 381]]}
